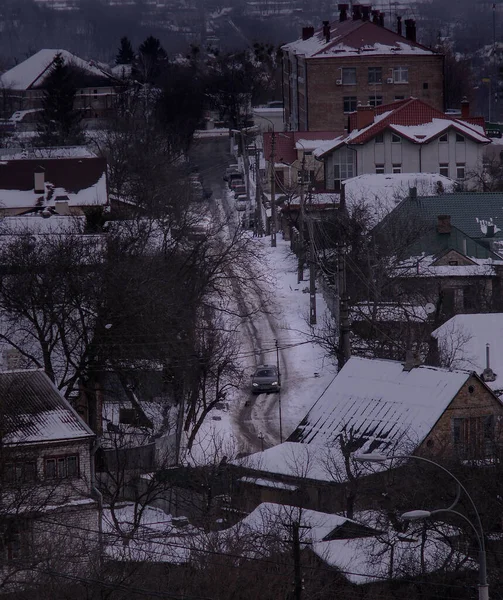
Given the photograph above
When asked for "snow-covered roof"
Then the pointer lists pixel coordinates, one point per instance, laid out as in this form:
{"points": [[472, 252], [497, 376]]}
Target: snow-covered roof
{"points": [[295, 460], [77, 181], [355, 38], [463, 340], [50, 152], [380, 403], [379, 194], [355, 547], [31, 72], [424, 266], [34, 411]]}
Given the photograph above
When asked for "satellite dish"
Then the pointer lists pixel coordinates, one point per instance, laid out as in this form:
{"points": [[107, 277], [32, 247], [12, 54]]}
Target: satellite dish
{"points": [[429, 308]]}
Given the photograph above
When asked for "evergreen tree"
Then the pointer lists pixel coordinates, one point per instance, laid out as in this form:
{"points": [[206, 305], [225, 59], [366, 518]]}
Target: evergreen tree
{"points": [[125, 55], [150, 58], [60, 123]]}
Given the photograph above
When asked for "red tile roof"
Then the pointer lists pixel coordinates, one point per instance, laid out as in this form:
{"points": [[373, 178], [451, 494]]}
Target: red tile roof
{"points": [[404, 112]]}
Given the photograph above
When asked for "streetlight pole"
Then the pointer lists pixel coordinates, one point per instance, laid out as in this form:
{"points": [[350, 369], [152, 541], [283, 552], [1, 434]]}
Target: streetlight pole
{"points": [[424, 514], [300, 267], [273, 189]]}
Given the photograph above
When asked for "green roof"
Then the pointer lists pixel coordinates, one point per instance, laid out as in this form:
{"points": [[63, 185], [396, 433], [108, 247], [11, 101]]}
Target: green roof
{"points": [[470, 212], [433, 243]]}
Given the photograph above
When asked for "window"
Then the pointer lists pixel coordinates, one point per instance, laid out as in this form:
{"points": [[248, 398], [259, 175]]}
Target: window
{"points": [[21, 472], [15, 540], [473, 437], [95, 93], [425, 85], [397, 169], [443, 169], [375, 75], [349, 76], [379, 169], [443, 138], [128, 416], [379, 138], [460, 138], [349, 104], [343, 166], [375, 100], [453, 263], [401, 74], [395, 139], [61, 467], [399, 98], [460, 171]]}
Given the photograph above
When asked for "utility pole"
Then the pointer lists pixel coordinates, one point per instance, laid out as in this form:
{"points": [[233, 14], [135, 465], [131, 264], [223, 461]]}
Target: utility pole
{"points": [[297, 586], [247, 179], [258, 195], [344, 324], [279, 393], [273, 190], [300, 268], [312, 275]]}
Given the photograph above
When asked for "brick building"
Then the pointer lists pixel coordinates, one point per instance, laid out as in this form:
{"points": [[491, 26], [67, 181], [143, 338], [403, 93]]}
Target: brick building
{"points": [[328, 72]]}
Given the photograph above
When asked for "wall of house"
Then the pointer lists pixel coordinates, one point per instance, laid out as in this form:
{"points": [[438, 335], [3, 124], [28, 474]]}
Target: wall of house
{"points": [[325, 99], [414, 158], [474, 400]]}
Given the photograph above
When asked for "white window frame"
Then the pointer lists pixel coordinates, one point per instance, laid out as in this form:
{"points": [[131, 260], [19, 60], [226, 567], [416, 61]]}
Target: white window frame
{"points": [[401, 74], [395, 138], [444, 138], [345, 72], [397, 168], [460, 171], [445, 168], [379, 169]]}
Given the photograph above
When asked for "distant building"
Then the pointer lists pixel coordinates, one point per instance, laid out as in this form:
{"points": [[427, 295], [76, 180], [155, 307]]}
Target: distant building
{"points": [[23, 85], [328, 72]]}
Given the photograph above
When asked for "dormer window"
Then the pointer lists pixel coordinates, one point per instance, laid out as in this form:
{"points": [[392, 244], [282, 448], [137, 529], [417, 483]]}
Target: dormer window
{"points": [[443, 138], [460, 138], [395, 139]]}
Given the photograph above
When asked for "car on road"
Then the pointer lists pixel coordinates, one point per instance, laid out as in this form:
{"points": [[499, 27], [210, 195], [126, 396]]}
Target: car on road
{"points": [[234, 168], [265, 379]]}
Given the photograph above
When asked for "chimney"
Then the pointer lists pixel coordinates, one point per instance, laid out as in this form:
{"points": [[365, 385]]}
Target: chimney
{"points": [[381, 19], [357, 12], [343, 12], [307, 32], [326, 30], [488, 374], [399, 25], [39, 183], [365, 13], [364, 116], [490, 231], [375, 17], [465, 247], [411, 361], [444, 224], [410, 30], [465, 108], [413, 193]]}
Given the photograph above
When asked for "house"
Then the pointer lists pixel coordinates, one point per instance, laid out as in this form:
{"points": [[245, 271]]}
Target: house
{"points": [[384, 405], [407, 136], [292, 152], [329, 71], [23, 85], [474, 341], [47, 183], [48, 498], [450, 270]]}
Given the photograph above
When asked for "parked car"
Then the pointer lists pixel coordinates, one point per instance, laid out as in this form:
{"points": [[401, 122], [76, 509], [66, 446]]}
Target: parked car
{"points": [[239, 189], [238, 197], [265, 379], [235, 179], [234, 168]]}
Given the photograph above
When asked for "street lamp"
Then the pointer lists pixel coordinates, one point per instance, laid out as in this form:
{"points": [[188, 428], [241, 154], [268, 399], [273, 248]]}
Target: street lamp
{"points": [[415, 515]]}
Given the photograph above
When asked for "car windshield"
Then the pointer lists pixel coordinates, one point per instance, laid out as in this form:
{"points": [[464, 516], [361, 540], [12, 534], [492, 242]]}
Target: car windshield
{"points": [[265, 373]]}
